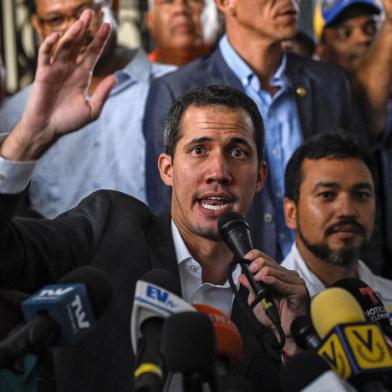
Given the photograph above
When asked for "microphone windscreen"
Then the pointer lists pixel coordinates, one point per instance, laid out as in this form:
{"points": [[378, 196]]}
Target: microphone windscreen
{"points": [[304, 333], [188, 343], [228, 339], [301, 370], [164, 279], [98, 286], [334, 306], [235, 232], [371, 304]]}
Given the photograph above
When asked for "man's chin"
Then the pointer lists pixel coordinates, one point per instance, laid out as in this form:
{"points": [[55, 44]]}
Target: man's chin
{"points": [[210, 233]]}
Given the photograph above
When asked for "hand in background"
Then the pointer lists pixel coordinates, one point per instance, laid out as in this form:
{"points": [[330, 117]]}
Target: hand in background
{"points": [[58, 104]]}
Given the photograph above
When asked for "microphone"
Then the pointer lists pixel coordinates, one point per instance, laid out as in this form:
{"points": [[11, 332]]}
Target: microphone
{"points": [[304, 334], [229, 345], [308, 372], [229, 350], [188, 347], [154, 301], [356, 349], [59, 315], [371, 304], [235, 232]]}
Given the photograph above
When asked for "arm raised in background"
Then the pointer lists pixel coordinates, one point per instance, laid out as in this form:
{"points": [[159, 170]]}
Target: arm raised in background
{"points": [[58, 104], [374, 75]]}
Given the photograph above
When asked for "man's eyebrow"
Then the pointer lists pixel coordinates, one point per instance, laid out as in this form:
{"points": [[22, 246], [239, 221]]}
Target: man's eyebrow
{"points": [[363, 185], [325, 184], [240, 140], [334, 185], [198, 140]]}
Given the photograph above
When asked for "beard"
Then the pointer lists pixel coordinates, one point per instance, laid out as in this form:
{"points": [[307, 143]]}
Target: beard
{"points": [[343, 257]]}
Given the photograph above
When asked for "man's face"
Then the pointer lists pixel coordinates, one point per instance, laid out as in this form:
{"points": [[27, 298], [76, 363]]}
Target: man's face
{"points": [[346, 43], [175, 23], [335, 210], [275, 20], [214, 169]]}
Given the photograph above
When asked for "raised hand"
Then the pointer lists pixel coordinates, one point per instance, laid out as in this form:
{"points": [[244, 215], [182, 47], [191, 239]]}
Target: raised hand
{"points": [[58, 103]]}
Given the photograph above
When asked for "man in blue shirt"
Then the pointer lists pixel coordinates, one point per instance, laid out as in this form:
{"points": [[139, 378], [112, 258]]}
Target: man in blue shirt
{"points": [[297, 98], [109, 152]]}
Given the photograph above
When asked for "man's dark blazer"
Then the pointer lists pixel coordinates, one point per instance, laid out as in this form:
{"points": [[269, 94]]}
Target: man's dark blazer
{"points": [[119, 235], [324, 103]]}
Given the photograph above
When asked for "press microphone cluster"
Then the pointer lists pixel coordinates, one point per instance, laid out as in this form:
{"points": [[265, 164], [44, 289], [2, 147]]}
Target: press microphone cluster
{"points": [[349, 329], [59, 315], [354, 347], [171, 338]]}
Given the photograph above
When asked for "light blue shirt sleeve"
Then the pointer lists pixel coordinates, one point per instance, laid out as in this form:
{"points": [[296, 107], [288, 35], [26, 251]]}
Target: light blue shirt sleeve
{"points": [[14, 175]]}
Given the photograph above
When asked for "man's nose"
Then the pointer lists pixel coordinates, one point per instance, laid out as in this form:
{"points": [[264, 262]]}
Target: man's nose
{"points": [[218, 169], [346, 206]]}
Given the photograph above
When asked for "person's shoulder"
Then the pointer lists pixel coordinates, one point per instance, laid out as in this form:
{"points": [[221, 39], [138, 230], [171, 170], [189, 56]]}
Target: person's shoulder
{"points": [[318, 69], [381, 285], [158, 69], [193, 73], [117, 204]]}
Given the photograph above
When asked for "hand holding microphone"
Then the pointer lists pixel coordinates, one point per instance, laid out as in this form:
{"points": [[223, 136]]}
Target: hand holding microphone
{"points": [[264, 277]]}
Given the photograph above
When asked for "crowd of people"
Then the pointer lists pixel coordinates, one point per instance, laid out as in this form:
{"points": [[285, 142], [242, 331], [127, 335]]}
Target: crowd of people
{"points": [[126, 160]]}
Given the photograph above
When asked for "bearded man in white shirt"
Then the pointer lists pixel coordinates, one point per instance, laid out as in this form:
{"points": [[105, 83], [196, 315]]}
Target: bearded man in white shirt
{"points": [[330, 202]]}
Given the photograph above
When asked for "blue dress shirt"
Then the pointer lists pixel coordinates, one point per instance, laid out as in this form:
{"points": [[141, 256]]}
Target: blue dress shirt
{"points": [[106, 154], [282, 129]]}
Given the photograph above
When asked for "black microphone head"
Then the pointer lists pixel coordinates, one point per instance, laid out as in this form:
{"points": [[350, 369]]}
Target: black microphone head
{"points": [[301, 370], [235, 232], [98, 286], [188, 344], [371, 304], [164, 279], [304, 333]]}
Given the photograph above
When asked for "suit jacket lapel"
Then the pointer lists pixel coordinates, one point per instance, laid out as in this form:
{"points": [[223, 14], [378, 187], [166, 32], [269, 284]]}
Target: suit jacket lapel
{"points": [[162, 252], [302, 90]]}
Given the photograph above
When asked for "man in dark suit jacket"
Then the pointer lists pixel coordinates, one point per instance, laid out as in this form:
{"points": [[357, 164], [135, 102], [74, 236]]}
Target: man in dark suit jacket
{"points": [[319, 93], [214, 164]]}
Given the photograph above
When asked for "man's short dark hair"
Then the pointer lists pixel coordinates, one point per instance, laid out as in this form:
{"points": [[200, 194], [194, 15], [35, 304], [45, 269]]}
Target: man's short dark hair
{"points": [[210, 96], [334, 145]]}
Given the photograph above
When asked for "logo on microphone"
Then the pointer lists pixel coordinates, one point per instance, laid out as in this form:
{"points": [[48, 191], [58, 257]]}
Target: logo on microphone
{"points": [[53, 293], [356, 348], [370, 293], [75, 308], [158, 294]]}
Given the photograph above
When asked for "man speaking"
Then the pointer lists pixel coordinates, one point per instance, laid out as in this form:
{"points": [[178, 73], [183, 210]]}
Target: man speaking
{"points": [[213, 162]]}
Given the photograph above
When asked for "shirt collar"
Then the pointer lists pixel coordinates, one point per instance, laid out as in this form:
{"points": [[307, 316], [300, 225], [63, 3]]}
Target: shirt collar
{"points": [[182, 252], [242, 70]]}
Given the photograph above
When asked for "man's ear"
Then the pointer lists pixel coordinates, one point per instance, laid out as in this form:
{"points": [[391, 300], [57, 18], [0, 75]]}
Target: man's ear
{"points": [[226, 6], [290, 213], [37, 27], [166, 169], [262, 176]]}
